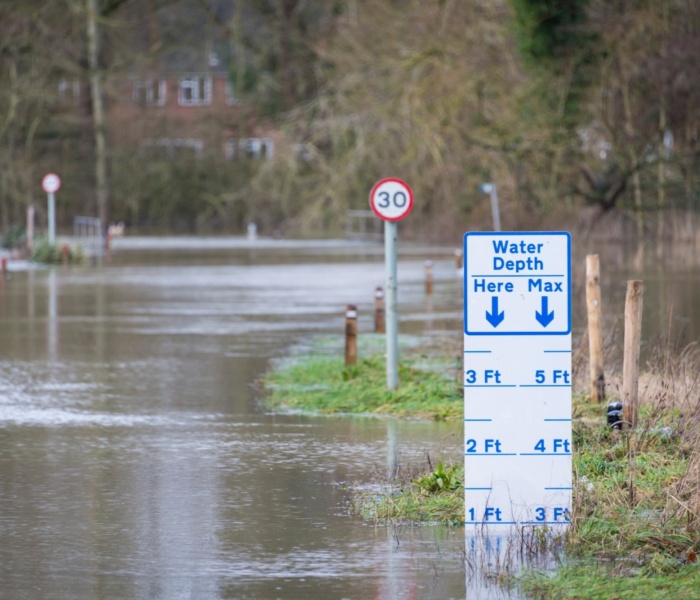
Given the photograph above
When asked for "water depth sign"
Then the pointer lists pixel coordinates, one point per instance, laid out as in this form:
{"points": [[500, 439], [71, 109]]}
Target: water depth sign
{"points": [[517, 379]]}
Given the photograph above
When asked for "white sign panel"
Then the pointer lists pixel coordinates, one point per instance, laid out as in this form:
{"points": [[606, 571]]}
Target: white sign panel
{"points": [[517, 378], [517, 284]]}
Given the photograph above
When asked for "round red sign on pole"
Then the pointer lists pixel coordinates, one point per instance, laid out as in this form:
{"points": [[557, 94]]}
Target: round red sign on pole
{"points": [[391, 199], [51, 183]]}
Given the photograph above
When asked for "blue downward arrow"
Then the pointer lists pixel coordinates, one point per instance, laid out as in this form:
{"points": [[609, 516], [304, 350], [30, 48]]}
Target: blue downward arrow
{"points": [[494, 317], [545, 317]]}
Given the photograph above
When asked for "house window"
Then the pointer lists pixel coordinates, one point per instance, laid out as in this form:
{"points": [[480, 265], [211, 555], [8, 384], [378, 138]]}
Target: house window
{"points": [[231, 98], [149, 92], [194, 91], [69, 91], [252, 148], [303, 151], [268, 148], [231, 148], [170, 149]]}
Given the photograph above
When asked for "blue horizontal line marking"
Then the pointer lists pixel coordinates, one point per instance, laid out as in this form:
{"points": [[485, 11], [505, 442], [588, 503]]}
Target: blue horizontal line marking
{"points": [[490, 454], [492, 333], [497, 385], [490, 523], [545, 454], [510, 276], [541, 385], [559, 420], [475, 489], [477, 351], [478, 420], [544, 523]]}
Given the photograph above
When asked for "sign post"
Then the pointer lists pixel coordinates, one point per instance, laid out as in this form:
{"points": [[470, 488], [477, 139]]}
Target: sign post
{"points": [[517, 379], [391, 200], [492, 191], [51, 184]]}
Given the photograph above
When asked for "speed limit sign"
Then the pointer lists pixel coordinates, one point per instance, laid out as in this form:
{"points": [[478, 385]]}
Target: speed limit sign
{"points": [[51, 183], [391, 199]]}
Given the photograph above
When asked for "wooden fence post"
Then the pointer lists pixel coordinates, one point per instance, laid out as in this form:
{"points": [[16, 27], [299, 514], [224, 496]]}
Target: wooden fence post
{"points": [[595, 336], [458, 258], [379, 326], [630, 364], [351, 335], [428, 277]]}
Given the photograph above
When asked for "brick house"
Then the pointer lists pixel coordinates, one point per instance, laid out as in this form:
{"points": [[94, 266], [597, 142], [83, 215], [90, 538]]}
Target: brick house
{"points": [[185, 113]]}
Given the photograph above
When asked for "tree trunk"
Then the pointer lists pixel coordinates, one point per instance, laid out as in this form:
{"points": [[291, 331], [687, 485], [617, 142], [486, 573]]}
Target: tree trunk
{"points": [[663, 151], [661, 201], [98, 113], [631, 134], [284, 53]]}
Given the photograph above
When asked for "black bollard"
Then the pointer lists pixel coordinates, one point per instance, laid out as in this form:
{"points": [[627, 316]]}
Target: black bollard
{"points": [[615, 417]]}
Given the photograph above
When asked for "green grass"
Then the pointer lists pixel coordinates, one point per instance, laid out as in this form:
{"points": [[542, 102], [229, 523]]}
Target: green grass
{"points": [[635, 528], [629, 496], [636, 511], [406, 504], [607, 581], [53, 254], [316, 380], [429, 495], [319, 382]]}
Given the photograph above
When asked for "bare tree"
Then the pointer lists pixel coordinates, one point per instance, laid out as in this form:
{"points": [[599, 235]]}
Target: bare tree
{"points": [[99, 122]]}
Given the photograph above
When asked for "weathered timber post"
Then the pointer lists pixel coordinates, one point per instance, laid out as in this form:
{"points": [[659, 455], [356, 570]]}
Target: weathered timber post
{"points": [[630, 365], [351, 335], [458, 258], [595, 336], [428, 277], [379, 326]]}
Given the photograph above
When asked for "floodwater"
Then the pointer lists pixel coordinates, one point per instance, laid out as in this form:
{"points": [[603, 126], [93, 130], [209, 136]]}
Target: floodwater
{"points": [[136, 458]]}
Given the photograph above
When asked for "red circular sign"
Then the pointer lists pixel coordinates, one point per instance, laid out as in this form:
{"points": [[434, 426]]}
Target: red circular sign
{"points": [[51, 183], [391, 199]]}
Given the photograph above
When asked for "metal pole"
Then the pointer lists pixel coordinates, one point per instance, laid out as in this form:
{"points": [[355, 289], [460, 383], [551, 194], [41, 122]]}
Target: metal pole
{"points": [[30, 227], [52, 219], [495, 212], [391, 305]]}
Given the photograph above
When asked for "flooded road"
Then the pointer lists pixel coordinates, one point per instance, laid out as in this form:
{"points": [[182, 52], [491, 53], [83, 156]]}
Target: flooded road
{"points": [[136, 460]]}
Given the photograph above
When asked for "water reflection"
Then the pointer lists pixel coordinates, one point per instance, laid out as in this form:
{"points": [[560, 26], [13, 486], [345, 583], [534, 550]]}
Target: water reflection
{"points": [[671, 276], [137, 462], [52, 321]]}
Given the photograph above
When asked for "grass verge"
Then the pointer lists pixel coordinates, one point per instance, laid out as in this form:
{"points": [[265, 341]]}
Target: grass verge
{"points": [[596, 582], [636, 514], [426, 495], [55, 254], [636, 519], [317, 381]]}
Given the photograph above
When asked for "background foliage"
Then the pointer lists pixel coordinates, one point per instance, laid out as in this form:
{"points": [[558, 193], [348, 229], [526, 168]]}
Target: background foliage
{"points": [[576, 109]]}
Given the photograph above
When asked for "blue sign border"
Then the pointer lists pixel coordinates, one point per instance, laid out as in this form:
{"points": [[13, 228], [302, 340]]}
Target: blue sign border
{"points": [[520, 234]]}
